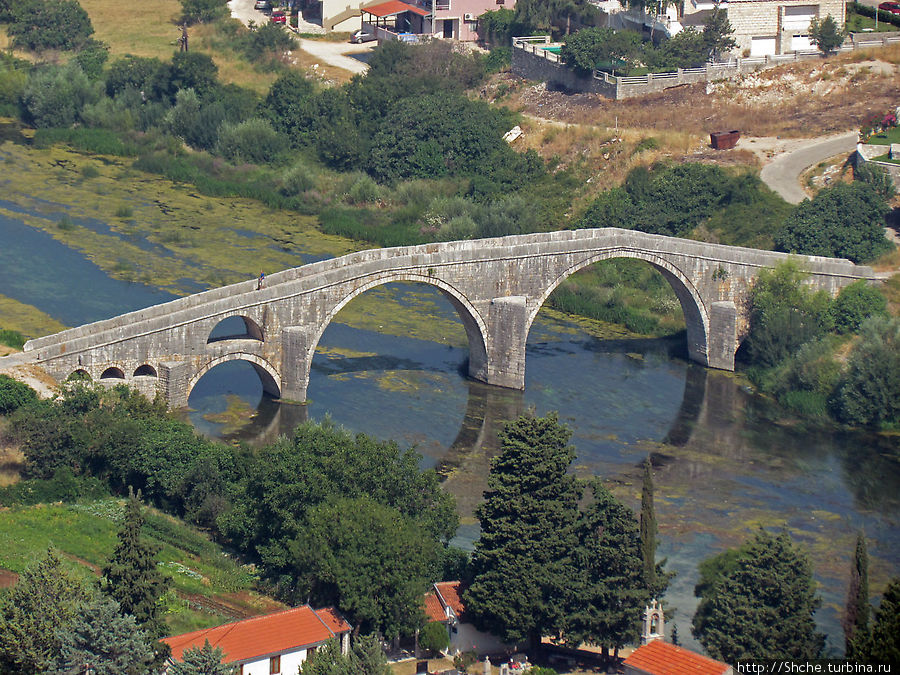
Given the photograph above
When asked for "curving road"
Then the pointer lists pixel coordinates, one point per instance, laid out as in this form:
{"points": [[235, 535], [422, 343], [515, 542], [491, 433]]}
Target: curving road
{"points": [[783, 174]]}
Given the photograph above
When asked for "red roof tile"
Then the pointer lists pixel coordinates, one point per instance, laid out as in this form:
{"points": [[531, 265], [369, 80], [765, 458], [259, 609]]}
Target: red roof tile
{"points": [[451, 594], [662, 658], [392, 7], [269, 634], [333, 620], [434, 611]]}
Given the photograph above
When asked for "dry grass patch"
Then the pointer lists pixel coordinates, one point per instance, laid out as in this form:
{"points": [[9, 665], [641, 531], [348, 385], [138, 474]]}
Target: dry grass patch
{"points": [[808, 98], [147, 28]]}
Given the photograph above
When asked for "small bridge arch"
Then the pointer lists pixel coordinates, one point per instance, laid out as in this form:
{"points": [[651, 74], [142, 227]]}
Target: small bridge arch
{"points": [[696, 316], [268, 374]]}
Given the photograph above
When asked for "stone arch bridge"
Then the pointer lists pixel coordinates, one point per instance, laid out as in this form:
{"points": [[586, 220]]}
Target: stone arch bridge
{"points": [[496, 285]]}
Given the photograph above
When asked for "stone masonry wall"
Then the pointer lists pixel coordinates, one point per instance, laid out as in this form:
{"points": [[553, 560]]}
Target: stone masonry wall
{"points": [[759, 18]]}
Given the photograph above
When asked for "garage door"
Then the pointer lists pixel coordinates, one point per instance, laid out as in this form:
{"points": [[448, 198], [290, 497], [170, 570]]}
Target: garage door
{"points": [[799, 17], [762, 46], [801, 43]]}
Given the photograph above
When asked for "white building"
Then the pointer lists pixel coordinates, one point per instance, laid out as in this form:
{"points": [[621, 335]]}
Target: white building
{"points": [[444, 604], [273, 644]]}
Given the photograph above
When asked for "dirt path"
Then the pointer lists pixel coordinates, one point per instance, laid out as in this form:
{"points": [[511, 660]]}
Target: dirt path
{"points": [[782, 173], [336, 53]]}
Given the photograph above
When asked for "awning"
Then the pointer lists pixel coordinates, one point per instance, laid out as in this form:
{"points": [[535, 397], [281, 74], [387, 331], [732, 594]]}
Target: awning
{"points": [[392, 8]]}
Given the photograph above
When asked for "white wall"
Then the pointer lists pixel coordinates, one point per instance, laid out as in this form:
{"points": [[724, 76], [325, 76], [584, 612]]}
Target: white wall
{"points": [[290, 664], [468, 639]]}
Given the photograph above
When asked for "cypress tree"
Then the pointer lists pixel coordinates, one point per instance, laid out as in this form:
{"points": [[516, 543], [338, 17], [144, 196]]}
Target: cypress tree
{"points": [[523, 560], [648, 530], [608, 591], [856, 616], [131, 576]]}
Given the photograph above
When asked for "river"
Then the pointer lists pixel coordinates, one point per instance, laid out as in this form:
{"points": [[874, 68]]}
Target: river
{"points": [[724, 461]]}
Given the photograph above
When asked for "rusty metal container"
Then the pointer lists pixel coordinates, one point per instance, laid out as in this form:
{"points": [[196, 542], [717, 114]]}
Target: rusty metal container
{"points": [[724, 140]]}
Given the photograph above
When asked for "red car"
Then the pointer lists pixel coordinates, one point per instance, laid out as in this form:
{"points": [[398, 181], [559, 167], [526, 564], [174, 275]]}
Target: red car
{"points": [[278, 16], [892, 7]]}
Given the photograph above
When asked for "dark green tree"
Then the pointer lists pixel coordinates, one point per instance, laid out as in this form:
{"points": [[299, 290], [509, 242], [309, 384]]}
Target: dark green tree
{"points": [[192, 70], [844, 221], [110, 642], [648, 529], [529, 516], [717, 33], [45, 600], [608, 590], [433, 637], [868, 391], [205, 660], [883, 645], [761, 605], [856, 303], [131, 576], [825, 34], [601, 48], [365, 658], [368, 559], [856, 614], [288, 105], [49, 24]]}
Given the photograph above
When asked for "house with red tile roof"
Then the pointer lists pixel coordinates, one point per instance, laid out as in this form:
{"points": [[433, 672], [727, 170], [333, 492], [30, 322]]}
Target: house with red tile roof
{"points": [[271, 644], [662, 658], [444, 603]]}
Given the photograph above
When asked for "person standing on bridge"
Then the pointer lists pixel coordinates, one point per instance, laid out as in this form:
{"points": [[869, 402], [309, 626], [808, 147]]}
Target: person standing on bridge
{"points": [[261, 282]]}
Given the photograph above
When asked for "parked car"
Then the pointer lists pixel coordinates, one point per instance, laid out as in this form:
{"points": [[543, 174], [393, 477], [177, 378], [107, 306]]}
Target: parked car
{"points": [[261, 4], [362, 35], [892, 7], [278, 16]]}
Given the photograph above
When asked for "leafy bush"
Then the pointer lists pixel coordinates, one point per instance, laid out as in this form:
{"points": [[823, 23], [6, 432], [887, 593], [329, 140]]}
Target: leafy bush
{"points": [[253, 141], [13, 77], [869, 391], [192, 70], [784, 314], [844, 221], [265, 39], [601, 49], [139, 74], [856, 303], [876, 176], [54, 96], [49, 24], [203, 11], [14, 394], [297, 179], [363, 191], [92, 57], [434, 637], [62, 486], [97, 141]]}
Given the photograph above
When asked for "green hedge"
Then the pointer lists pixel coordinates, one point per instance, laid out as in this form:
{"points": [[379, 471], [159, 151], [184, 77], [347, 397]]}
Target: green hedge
{"points": [[865, 10]]}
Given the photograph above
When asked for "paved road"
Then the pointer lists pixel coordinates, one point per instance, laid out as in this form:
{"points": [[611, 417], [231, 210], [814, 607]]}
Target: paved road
{"points": [[336, 53], [783, 174]]}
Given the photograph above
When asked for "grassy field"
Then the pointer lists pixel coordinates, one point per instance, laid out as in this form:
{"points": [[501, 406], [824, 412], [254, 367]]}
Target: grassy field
{"points": [[208, 587]]}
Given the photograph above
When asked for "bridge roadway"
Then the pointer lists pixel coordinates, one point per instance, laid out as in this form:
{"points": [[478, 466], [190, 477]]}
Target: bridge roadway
{"points": [[496, 285]]}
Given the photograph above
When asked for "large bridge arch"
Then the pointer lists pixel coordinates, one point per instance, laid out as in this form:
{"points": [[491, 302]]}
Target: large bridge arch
{"points": [[696, 314], [268, 374], [473, 322]]}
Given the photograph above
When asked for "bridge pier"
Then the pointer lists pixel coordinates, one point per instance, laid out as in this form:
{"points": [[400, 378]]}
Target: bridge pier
{"points": [[174, 380], [722, 338], [507, 330], [296, 358]]}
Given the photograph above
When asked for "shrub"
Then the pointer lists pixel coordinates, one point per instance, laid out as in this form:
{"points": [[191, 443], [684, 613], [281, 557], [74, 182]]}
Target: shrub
{"points": [[254, 141], [869, 391], [138, 74], [203, 11], [63, 486], [875, 176], [844, 221], [434, 637], [856, 303], [296, 180], [92, 57], [54, 96], [14, 394], [12, 83], [363, 191], [49, 24]]}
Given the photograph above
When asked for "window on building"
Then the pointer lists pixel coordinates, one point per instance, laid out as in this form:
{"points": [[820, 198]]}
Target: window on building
{"points": [[311, 651], [275, 665]]}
